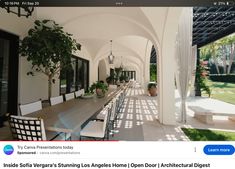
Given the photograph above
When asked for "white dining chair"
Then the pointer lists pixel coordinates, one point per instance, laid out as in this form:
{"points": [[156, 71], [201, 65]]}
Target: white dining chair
{"points": [[56, 100], [102, 114], [78, 93], [112, 118], [32, 129], [97, 129], [69, 96], [30, 107], [113, 112], [82, 91]]}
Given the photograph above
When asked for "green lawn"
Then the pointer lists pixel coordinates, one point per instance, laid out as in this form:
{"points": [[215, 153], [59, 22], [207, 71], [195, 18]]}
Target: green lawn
{"points": [[222, 91], [208, 135]]}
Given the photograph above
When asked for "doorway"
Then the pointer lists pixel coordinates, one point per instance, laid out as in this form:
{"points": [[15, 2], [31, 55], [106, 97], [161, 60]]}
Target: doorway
{"points": [[9, 61]]}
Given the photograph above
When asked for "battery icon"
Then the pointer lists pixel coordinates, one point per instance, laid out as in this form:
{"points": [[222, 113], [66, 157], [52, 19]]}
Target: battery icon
{"points": [[230, 3]]}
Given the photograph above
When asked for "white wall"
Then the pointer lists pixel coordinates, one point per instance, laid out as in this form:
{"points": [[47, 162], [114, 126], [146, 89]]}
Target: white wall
{"points": [[14, 24], [167, 67], [33, 88]]}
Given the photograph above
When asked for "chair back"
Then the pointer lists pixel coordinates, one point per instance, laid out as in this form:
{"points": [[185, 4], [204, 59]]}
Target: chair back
{"points": [[122, 96], [56, 100], [78, 93], [82, 91], [30, 107], [117, 103], [69, 96], [113, 110], [27, 128], [106, 117]]}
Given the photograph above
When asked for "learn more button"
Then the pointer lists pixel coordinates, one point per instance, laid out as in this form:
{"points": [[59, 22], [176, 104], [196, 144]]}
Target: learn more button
{"points": [[219, 150]]}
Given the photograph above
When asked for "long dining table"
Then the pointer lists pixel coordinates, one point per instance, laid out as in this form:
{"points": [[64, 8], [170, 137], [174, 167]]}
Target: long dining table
{"points": [[70, 116]]}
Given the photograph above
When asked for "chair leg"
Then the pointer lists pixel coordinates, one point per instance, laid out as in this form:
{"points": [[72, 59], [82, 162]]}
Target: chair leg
{"points": [[65, 137], [112, 127], [55, 136]]}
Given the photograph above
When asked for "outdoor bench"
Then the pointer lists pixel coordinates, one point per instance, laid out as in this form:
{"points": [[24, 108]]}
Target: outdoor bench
{"points": [[206, 115]]}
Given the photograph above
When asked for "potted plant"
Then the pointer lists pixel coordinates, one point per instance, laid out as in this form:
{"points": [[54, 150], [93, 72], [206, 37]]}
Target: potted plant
{"points": [[112, 78], [152, 88], [123, 78], [49, 49], [100, 88]]}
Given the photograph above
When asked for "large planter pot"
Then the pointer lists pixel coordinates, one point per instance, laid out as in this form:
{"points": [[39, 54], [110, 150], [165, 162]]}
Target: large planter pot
{"points": [[99, 92], [153, 91]]}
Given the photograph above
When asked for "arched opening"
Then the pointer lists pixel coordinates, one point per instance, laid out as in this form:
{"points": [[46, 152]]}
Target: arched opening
{"points": [[102, 71], [153, 65]]}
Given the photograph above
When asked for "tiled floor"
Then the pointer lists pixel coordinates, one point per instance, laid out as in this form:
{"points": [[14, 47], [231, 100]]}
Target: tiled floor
{"points": [[139, 120]]}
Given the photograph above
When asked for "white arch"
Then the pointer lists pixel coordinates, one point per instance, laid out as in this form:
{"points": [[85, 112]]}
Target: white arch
{"points": [[103, 72]]}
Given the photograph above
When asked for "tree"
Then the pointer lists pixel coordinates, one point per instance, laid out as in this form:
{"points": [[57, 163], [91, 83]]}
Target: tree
{"points": [[231, 44], [49, 49], [222, 49], [213, 49], [201, 77]]}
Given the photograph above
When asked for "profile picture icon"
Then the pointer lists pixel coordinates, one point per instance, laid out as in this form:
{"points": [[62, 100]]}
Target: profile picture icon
{"points": [[8, 149]]}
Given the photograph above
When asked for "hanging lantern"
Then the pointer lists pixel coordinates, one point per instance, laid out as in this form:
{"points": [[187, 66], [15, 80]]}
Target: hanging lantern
{"points": [[111, 56]]}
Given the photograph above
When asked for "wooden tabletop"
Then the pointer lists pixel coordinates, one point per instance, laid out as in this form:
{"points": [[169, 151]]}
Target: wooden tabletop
{"points": [[69, 116]]}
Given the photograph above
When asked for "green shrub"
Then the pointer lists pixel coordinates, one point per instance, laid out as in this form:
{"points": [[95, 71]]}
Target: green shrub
{"points": [[223, 78], [201, 77]]}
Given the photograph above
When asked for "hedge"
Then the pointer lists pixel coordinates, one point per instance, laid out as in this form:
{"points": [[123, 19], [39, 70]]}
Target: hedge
{"points": [[223, 78]]}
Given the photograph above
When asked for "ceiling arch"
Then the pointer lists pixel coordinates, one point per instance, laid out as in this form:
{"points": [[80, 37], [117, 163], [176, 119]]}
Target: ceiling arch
{"points": [[65, 16], [118, 49], [93, 27]]}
